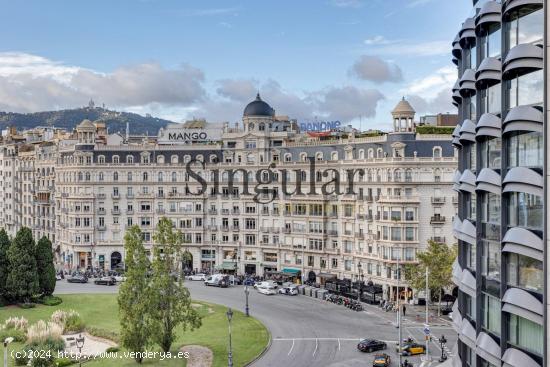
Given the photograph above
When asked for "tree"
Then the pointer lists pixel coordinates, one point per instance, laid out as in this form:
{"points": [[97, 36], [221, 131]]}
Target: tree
{"points": [[45, 268], [22, 281], [133, 295], [438, 258], [4, 263], [169, 300]]}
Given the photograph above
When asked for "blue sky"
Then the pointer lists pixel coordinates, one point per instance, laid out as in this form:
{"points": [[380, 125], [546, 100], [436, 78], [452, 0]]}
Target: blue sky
{"points": [[333, 59]]}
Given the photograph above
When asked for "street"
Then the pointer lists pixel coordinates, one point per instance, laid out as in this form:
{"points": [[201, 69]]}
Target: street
{"points": [[307, 331]]}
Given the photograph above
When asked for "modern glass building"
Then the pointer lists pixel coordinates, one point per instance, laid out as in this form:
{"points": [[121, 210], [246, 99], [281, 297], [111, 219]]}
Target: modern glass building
{"points": [[501, 312]]}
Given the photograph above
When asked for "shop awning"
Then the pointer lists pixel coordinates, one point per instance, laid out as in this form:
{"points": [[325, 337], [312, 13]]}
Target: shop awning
{"points": [[227, 265], [291, 271]]}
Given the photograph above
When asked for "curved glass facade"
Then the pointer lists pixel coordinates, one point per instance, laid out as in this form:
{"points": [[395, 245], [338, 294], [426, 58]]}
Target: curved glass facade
{"points": [[510, 141]]}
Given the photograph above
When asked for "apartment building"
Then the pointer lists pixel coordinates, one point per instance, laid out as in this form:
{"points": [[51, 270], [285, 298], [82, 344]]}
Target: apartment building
{"points": [[99, 184], [501, 312]]}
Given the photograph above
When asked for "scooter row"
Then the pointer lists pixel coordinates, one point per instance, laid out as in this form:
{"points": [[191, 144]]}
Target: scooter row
{"points": [[345, 301]]}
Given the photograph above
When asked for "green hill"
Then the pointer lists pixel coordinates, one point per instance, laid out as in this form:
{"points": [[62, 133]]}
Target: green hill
{"points": [[68, 119]]}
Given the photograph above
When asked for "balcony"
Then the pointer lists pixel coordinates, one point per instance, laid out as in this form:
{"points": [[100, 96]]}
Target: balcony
{"points": [[438, 200], [225, 211], [161, 211], [115, 211], [437, 219], [101, 211], [225, 228], [101, 228], [236, 211], [130, 211], [101, 196], [287, 230], [115, 195], [212, 211], [332, 232], [438, 239]]}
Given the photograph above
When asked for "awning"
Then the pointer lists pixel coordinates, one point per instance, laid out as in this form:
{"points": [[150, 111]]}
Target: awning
{"points": [[291, 271], [227, 265], [327, 275]]}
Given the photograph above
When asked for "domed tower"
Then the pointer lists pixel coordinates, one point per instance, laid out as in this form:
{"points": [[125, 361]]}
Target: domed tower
{"points": [[257, 114], [403, 117], [86, 132]]}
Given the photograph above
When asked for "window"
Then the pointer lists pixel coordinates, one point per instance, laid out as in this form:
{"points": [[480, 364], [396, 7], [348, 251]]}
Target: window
{"points": [[525, 272], [490, 100], [491, 41], [491, 314], [115, 176], [101, 159], [525, 334], [116, 159], [129, 159], [523, 27], [525, 90], [525, 210], [437, 152], [490, 260], [526, 150], [490, 153]]}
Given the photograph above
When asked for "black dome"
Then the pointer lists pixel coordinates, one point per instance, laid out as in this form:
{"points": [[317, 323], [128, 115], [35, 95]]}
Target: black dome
{"points": [[258, 108]]}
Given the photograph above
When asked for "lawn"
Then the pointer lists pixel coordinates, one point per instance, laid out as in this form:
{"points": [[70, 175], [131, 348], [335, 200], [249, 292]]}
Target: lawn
{"points": [[250, 337]]}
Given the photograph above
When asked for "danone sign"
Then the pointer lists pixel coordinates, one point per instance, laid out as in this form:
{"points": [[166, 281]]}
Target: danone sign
{"points": [[180, 135], [319, 126]]}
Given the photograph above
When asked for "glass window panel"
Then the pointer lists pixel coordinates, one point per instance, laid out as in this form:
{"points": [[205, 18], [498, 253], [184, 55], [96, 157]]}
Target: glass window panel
{"points": [[525, 210], [525, 150], [525, 334], [525, 272], [491, 314]]}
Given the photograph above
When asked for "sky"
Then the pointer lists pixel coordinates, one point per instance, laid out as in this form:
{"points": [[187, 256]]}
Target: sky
{"points": [[347, 60]]}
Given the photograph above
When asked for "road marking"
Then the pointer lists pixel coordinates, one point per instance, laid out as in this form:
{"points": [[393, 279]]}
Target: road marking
{"points": [[338, 343], [316, 345], [292, 347], [321, 339]]}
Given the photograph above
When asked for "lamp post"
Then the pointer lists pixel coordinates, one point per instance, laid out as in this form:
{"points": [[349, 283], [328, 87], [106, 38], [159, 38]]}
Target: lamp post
{"points": [[7, 341], [79, 345], [246, 293], [443, 341], [229, 314], [360, 279]]}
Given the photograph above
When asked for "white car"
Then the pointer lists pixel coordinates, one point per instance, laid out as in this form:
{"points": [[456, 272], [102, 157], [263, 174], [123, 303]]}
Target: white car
{"points": [[266, 289], [199, 276], [291, 290]]}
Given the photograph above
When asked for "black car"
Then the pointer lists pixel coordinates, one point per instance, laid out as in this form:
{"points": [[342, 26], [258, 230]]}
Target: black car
{"points": [[78, 278], [105, 281], [370, 345]]}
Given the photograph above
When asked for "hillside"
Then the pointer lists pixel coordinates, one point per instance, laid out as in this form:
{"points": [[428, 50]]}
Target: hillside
{"points": [[68, 119]]}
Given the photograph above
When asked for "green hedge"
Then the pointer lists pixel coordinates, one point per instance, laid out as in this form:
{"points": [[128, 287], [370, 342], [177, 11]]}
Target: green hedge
{"points": [[427, 129]]}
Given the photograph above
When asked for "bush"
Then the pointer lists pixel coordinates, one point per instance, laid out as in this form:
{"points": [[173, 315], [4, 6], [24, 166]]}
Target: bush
{"points": [[70, 321], [20, 359], [112, 349], [17, 335], [50, 300], [74, 324], [27, 305], [62, 362], [428, 129], [19, 323], [102, 333], [45, 333]]}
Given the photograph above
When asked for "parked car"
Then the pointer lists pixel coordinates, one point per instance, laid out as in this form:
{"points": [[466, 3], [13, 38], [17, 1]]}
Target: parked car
{"points": [[370, 345], [77, 278], [266, 289], [290, 290], [105, 281], [58, 276], [266, 283], [381, 360], [199, 276], [412, 349]]}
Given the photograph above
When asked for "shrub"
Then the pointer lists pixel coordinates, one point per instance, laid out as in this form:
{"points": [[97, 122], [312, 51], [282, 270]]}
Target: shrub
{"points": [[70, 321], [42, 333], [62, 362], [18, 323], [17, 335], [50, 300], [102, 333], [27, 305], [112, 349], [20, 359]]}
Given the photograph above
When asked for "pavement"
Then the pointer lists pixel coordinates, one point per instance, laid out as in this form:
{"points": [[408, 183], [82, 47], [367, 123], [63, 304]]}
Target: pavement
{"points": [[306, 331]]}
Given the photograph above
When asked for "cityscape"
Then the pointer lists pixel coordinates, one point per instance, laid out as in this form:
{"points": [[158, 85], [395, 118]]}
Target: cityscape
{"points": [[169, 216]]}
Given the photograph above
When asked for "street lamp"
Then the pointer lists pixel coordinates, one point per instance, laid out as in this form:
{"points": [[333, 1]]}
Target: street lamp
{"points": [[6, 342], [443, 341], [360, 279], [229, 314], [79, 345], [246, 293]]}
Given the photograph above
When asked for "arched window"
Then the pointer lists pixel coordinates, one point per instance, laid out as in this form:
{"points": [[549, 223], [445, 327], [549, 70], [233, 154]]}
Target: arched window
{"points": [[115, 176], [145, 176], [186, 158], [371, 153], [101, 159], [361, 154], [334, 156], [199, 158], [160, 159], [145, 158], [174, 159], [130, 159], [388, 175], [213, 158], [80, 176], [174, 176], [437, 152], [379, 153], [88, 176], [160, 177], [100, 176], [288, 157], [397, 175], [250, 126], [319, 156], [116, 159], [408, 175], [261, 127]]}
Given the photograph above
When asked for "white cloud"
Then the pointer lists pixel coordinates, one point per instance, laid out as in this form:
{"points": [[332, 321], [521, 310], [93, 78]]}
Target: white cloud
{"points": [[348, 103], [373, 68], [429, 86], [379, 40], [347, 3], [32, 83], [415, 3]]}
